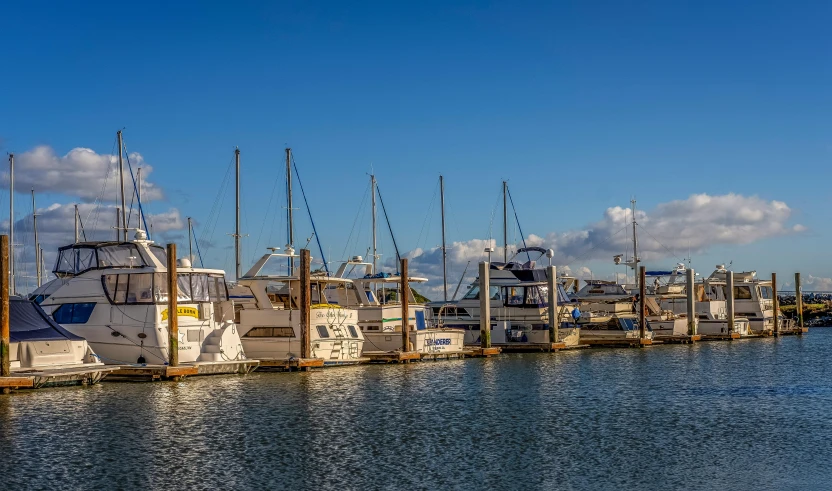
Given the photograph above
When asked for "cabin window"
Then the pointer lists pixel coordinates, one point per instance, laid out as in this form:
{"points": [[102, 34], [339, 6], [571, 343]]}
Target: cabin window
{"points": [[742, 292], [73, 313], [76, 260], [270, 332], [474, 293], [353, 332], [160, 253], [121, 256], [323, 332], [537, 296], [148, 288], [514, 295], [765, 292]]}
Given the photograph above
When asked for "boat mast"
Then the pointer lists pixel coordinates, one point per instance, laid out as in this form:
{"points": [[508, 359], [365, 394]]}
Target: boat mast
{"points": [[118, 223], [37, 243], [237, 252], [373, 192], [11, 222], [190, 241], [76, 224], [444, 253], [139, 195], [635, 243], [121, 178], [505, 223], [290, 218]]}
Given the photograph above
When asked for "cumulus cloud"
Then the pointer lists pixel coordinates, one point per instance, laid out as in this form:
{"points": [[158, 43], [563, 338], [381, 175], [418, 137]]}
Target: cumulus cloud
{"points": [[81, 172], [671, 229]]}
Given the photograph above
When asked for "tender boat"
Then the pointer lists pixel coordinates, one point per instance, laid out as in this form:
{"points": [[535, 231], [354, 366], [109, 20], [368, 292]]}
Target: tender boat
{"points": [[380, 314], [269, 319], [114, 294]]}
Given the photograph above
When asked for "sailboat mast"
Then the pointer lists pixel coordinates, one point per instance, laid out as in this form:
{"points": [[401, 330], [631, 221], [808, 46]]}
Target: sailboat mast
{"points": [[373, 193], [76, 224], [11, 223], [289, 216], [635, 243], [37, 243], [237, 251], [139, 195], [505, 222], [121, 178], [444, 253], [190, 241]]}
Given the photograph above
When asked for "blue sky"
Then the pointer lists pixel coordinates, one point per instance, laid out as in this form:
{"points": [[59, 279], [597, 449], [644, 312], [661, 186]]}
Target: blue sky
{"points": [[580, 105]]}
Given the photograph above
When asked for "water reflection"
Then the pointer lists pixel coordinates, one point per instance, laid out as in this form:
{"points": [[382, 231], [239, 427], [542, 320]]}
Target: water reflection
{"points": [[748, 414]]}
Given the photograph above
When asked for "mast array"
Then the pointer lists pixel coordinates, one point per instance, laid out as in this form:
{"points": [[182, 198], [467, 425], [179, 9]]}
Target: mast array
{"points": [[11, 224]]}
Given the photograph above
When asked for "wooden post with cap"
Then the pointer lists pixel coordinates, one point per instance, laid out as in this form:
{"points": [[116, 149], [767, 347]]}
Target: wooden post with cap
{"points": [[405, 301], [173, 319], [691, 303], [553, 303], [642, 327], [485, 306], [5, 338], [774, 304], [798, 296], [305, 304]]}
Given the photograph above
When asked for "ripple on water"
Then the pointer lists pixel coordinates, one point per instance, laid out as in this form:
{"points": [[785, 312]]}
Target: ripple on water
{"points": [[749, 414]]}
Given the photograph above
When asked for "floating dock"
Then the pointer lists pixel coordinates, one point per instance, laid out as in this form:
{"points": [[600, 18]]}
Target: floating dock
{"points": [[409, 356], [614, 343], [677, 339], [535, 347], [57, 377], [291, 364], [167, 372]]}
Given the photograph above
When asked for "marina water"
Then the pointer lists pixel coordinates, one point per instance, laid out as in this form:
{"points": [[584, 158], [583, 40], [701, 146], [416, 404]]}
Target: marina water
{"points": [[750, 414]]}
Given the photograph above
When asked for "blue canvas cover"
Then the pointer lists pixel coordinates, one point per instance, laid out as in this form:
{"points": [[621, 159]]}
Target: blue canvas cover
{"points": [[28, 322], [420, 320]]}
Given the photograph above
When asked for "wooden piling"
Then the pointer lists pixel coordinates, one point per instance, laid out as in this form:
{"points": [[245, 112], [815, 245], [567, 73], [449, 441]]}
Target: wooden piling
{"points": [[305, 304], [173, 317], [729, 299], [691, 304], [553, 304], [405, 302], [5, 337], [485, 307], [798, 293], [774, 303], [642, 327]]}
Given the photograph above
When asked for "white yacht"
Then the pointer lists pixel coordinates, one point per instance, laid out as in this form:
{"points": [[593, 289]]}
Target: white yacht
{"points": [[114, 294], [380, 316], [608, 313], [519, 306], [267, 312]]}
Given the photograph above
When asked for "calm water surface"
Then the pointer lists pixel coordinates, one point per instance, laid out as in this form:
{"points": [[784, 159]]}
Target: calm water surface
{"points": [[751, 414]]}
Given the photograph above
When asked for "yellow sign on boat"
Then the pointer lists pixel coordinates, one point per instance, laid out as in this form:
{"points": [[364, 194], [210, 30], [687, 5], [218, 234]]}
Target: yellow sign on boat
{"points": [[182, 311]]}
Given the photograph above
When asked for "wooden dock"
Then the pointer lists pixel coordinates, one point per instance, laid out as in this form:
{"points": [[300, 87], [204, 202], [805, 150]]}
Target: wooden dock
{"points": [[407, 357], [392, 356], [615, 343], [56, 377], [677, 339], [721, 337], [166, 372], [291, 364], [532, 347]]}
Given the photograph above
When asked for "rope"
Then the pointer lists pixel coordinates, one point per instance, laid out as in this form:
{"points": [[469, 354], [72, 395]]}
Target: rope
{"points": [[135, 195], [309, 212], [395, 246], [517, 221]]}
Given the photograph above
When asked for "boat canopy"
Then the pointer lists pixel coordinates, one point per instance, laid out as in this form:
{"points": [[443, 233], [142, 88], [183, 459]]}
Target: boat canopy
{"points": [[84, 256], [28, 322]]}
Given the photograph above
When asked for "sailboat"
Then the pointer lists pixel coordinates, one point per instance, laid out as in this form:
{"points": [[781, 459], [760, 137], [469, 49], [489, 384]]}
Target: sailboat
{"points": [[267, 299]]}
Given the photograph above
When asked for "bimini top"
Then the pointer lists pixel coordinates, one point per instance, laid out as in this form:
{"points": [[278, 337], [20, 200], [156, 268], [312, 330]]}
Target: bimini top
{"points": [[28, 322], [81, 257]]}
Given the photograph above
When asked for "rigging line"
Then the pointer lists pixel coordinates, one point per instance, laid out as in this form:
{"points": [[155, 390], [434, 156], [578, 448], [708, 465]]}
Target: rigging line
{"points": [[99, 200], [493, 212], [517, 221], [389, 227], [135, 195], [659, 242], [309, 212], [265, 217], [428, 214], [354, 222], [196, 241], [213, 216]]}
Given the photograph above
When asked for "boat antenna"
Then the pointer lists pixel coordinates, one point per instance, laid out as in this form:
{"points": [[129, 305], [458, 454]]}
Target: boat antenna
{"points": [[375, 226], [444, 250], [37, 243], [11, 223], [190, 240], [505, 222]]}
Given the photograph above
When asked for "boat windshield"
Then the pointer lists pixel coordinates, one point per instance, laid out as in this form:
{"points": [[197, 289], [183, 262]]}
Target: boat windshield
{"points": [[78, 259], [474, 293]]}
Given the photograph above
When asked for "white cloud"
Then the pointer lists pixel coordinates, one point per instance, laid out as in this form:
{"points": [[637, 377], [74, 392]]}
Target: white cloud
{"points": [[671, 229], [81, 173]]}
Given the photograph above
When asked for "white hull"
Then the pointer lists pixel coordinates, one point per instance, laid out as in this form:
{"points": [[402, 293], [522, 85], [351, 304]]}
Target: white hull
{"points": [[422, 341]]}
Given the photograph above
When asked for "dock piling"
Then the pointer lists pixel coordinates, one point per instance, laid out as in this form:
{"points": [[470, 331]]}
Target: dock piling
{"points": [[305, 304], [485, 307], [691, 304], [642, 275], [173, 318], [553, 304], [774, 303], [5, 337], [405, 301], [798, 293], [729, 299]]}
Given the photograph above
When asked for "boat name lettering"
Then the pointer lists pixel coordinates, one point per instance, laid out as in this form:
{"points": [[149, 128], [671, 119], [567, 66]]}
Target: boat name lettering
{"points": [[182, 311], [437, 342]]}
